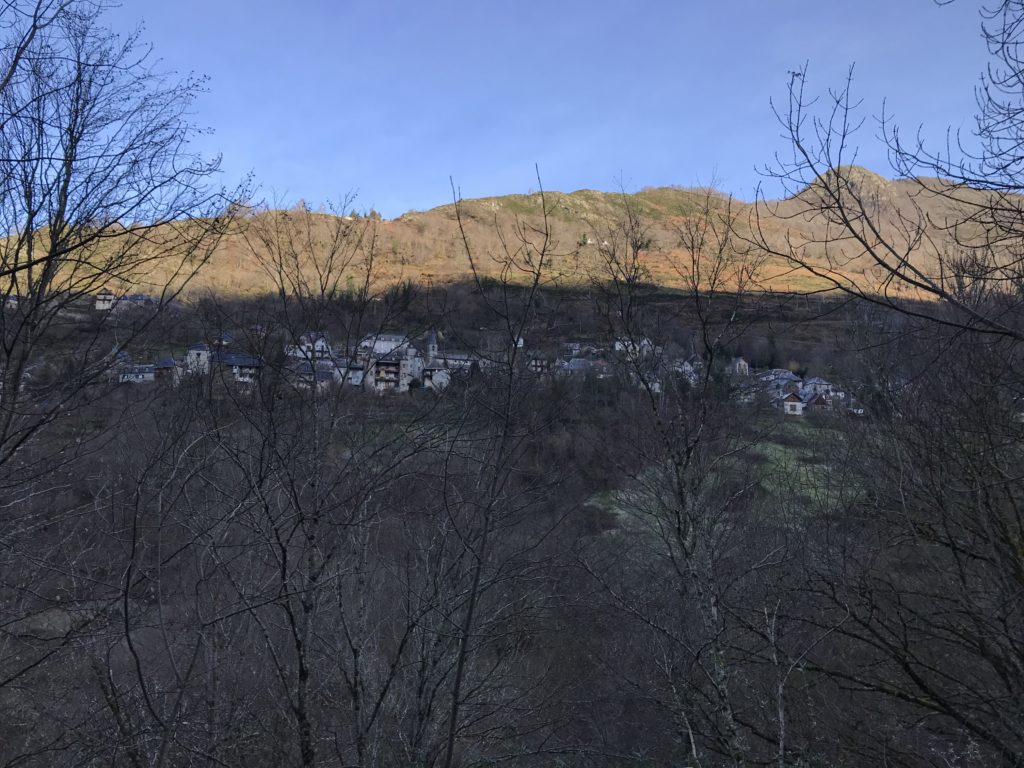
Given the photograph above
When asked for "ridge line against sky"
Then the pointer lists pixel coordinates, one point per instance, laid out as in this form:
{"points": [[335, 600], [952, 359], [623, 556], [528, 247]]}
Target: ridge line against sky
{"points": [[389, 100]]}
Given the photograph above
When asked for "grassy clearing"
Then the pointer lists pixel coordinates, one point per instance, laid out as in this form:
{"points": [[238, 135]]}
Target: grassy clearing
{"points": [[792, 457], [796, 457]]}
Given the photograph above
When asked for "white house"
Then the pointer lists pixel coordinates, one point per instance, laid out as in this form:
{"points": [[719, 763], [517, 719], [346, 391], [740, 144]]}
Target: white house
{"points": [[311, 345], [197, 359], [737, 367], [137, 374], [634, 347], [791, 404], [382, 343], [244, 369], [104, 300], [460, 361]]}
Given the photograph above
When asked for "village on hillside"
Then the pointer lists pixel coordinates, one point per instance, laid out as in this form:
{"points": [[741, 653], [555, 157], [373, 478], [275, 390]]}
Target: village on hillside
{"points": [[397, 361]]}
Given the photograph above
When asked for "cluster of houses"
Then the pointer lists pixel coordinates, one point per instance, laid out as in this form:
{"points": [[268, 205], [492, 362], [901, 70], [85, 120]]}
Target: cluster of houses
{"points": [[107, 301], [383, 362], [779, 387], [395, 362], [795, 396]]}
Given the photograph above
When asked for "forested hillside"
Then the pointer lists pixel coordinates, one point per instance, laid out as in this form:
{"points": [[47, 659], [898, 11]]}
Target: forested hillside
{"points": [[659, 479]]}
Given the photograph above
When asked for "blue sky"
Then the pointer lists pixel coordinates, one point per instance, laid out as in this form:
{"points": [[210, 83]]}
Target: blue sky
{"points": [[390, 98]]}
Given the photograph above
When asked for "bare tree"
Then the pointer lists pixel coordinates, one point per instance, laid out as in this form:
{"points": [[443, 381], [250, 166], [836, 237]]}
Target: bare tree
{"points": [[697, 574], [913, 575], [943, 241], [98, 187]]}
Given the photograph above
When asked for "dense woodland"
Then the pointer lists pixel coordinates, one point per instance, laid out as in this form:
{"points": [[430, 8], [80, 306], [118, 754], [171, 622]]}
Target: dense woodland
{"points": [[582, 571], [518, 569]]}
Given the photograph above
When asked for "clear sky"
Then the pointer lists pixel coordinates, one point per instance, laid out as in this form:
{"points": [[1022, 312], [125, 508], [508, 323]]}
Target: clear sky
{"points": [[390, 98]]}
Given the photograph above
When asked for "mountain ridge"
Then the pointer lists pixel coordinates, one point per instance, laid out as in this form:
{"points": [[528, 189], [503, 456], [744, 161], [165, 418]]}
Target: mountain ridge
{"points": [[429, 246]]}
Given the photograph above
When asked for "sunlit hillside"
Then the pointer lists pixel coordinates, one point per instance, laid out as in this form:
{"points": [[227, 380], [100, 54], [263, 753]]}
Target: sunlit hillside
{"points": [[438, 246]]}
